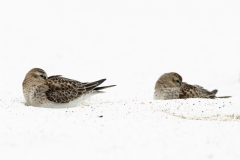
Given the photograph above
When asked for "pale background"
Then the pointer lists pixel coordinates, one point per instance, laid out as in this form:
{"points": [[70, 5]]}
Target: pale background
{"points": [[131, 43]]}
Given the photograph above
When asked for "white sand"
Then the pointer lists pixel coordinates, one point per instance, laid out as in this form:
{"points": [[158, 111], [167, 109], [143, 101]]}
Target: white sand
{"points": [[131, 43]]}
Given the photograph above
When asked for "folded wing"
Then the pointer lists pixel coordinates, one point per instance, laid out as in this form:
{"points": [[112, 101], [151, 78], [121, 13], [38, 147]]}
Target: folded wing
{"points": [[64, 90], [195, 91]]}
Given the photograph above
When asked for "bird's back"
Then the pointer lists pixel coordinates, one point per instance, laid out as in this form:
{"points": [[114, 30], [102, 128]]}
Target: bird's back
{"points": [[195, 91]]}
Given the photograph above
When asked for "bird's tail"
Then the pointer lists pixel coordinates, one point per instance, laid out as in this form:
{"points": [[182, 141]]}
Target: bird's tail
{"points": [[224, 97], [97, 83], [214, 92], [100, 88]]}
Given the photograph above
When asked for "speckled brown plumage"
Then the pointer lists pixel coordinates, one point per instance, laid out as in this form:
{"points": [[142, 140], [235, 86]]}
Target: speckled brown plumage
{"points": [[170, 86], [64, 90], [195, 91], [39, 90]]}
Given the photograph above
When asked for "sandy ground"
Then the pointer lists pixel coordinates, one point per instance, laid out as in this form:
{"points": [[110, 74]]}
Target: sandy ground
{"points": [[131, 43], [106, 127]]}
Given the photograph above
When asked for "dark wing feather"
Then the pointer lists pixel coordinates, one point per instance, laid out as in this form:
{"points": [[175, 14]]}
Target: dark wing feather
{"points": [[195, 91], [64, 90], [101, 88]]}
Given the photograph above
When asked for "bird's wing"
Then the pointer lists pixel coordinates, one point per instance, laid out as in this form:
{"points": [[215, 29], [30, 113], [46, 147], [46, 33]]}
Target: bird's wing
{"points": [[195, 91], [64, 90], [198, 86]]}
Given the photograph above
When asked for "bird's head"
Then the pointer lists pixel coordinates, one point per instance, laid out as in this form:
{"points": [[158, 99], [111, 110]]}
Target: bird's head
{"points": [[37, 73], [169, 80]]}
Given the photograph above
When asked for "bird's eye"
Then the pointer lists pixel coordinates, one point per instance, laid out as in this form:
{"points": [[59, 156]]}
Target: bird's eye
{"points": [[177, 81], [42, 76]]}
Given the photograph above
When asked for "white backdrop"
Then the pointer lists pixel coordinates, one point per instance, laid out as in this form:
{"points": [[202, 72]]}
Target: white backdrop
{"points": [[131, 43], [126, 40]]}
